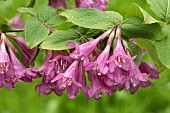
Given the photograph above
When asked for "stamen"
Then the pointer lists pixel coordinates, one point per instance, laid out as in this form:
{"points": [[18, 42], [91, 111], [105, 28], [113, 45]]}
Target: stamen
{"points": [[115, 61], [69, 84], [99, 74], [66, 63], [118, 59], [134, 84], [100, 95], [56, 63], [82, 58], [58, 68], [119, 65], [123, 60], [61, 62], [115, 83], [64, 85], [94, 68], [2, 72], [64, 79], [76, 56], [63, 67]]}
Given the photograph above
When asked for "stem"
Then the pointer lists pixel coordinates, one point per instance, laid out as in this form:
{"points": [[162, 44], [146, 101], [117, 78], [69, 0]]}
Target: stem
{"points": [[32, 3], [112, 35], [16, 30], [35, 56], [105, 34], [52, 30]]}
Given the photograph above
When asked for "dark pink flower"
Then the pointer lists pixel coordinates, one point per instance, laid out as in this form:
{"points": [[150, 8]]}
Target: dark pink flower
{"points": [[11, 69], [146, 67], [98, 4], [27, 53], [123, 72], [119, 63], [98, 85], [101, 63], [46, 87], [51, 68], [17, 22], [57, 3], [81, 78], [7, 71], [22, 73], [83, 51], [68, 80], [133, 41]]}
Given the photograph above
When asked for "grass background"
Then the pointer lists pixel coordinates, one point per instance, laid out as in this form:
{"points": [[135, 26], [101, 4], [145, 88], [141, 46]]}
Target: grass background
{"points": [[24, 99]]}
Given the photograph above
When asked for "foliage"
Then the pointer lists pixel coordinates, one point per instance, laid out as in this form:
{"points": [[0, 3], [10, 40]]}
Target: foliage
{"points": [[50, 29]]}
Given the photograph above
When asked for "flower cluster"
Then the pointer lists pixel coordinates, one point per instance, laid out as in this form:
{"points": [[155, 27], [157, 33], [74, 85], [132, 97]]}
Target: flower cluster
{"points": [[11, 69], [68, 70], [98, 4], [108, 69], [106, 72]]}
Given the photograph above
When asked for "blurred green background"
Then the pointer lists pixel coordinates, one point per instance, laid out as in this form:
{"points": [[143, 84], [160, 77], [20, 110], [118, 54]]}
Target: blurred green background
{"points": [[24, 99]]}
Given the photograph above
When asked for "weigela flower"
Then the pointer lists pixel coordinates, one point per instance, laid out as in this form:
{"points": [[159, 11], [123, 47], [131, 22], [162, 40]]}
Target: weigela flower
{"points": [[68, 80], [146, 67], [83, 51], [98, 4], [27, 53], [123, 71], [7, 71], [22, 73], [17, 22], [119, 63], [57, 3], [11, 69], [100, 64], [45, 87], [133, 42], [98, 85], [54, 64]]}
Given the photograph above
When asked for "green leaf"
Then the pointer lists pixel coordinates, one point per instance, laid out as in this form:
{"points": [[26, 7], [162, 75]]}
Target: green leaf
{"points": [[163, 47], [4, 24], [3, 20], [135, 51], [134, 28], [161, 8], [35, 32], [150, 48], [116, 16], [32, 3], [135, 10], [46, 12], [89, 18], [50, 16], [29, 11], [65, 26], [58, 40], [92, 32], [56, 20]]}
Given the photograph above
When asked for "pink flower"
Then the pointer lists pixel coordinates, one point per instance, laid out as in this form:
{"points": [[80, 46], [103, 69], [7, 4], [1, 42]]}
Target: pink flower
{"points": [[57, 3], [83, 51], [68, 80], [98, 4], [27, 53], [7, 71], [17, 22]]}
